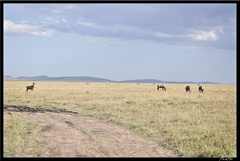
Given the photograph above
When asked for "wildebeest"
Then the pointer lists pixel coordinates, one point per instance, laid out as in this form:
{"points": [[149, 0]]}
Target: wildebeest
{"points": [[200, 88], [162, 86], [30, 87], [188, 89]]}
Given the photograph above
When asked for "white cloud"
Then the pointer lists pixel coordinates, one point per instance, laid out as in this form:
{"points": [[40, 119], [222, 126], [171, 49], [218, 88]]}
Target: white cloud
{"points": [[56, 21], [204, 35], [84, 23], [44, 8], [107, 40], [170, 24], [160, 34], [59, 9], [24, 28]]}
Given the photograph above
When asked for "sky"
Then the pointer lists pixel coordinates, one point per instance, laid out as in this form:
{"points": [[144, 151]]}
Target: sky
{"points": [[121, 41]]}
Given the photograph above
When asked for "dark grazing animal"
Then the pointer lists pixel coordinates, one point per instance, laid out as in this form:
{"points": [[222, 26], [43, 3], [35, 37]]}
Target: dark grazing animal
{"points": [[162, 86], [30, 87], [200, 88], [188, 89]]}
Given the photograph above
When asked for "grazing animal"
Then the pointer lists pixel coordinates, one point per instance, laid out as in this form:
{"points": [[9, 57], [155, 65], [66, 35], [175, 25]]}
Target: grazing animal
{"points": [[188, 89], [200, 88], [162, 86], [30, 87]]}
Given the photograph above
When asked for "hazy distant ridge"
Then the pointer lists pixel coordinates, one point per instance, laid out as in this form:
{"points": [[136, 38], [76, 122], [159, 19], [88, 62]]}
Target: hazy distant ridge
{"points": [[95, 79], [70, 79]]}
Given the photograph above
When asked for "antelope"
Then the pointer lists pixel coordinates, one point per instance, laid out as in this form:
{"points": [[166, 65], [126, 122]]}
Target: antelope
{"points": [[188, 89], [162, 86], [200, 88], [30, 87]]}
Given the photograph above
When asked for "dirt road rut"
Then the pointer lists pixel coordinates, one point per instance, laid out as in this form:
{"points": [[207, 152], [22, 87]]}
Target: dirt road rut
{"points": [[67, 134]]}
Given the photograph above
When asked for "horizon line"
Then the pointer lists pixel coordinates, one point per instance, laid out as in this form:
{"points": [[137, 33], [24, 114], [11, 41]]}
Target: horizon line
{"points": [[124, 80]]}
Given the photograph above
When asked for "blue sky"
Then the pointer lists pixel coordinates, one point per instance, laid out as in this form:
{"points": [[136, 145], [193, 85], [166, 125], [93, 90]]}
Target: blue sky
{"points": [[170, 42]]}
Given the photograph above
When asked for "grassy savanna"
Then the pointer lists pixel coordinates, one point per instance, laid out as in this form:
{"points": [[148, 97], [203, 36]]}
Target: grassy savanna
{"points": [[20, 137], [193, 124]]}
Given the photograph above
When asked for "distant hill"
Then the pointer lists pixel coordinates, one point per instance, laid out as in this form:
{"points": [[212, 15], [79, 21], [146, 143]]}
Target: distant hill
{"points": [[146, 81], [38, 78], [163, 82], [95, 79], [7, 77], [70, 79]]}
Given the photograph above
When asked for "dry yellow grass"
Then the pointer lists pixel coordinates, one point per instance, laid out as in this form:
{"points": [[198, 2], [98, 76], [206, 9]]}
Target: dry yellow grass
{"points": [[194, 124], [20, 136]]}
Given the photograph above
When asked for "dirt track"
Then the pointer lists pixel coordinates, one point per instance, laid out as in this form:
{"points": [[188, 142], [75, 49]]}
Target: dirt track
{"points": [[67, 134]]}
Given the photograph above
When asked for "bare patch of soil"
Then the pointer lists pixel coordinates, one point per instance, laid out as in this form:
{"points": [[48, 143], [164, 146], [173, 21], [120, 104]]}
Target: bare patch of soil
{"points": [[67, 134]]}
